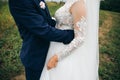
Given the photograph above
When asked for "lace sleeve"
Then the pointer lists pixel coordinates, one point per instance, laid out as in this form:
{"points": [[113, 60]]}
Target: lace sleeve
{"points": [[79, 30]]}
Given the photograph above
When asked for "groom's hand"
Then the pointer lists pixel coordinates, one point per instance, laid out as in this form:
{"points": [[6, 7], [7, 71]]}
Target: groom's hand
{"points": [[52, 62]]}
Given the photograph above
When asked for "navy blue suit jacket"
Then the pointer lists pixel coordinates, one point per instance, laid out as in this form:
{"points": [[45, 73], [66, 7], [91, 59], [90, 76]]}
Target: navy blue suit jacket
{"points": [[37, 30]]}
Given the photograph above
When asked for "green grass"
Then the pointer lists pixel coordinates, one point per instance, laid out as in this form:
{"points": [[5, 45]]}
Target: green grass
{"points": [[110, 46], [10, 44]]}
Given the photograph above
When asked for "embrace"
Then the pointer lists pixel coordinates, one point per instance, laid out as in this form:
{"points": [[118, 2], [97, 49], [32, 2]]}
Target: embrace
{"points": [[64, 48]]}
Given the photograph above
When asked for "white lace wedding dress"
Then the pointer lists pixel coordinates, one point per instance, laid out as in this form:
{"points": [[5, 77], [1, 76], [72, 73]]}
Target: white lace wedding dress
{"points": [[78, 60]]}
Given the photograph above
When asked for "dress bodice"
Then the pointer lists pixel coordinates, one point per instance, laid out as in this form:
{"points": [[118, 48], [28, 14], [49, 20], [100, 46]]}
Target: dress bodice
{"points": [[63, 16]]}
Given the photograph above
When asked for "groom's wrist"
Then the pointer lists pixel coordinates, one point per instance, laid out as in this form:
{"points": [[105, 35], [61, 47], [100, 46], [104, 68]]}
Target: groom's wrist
{"points": [[70, 36]]}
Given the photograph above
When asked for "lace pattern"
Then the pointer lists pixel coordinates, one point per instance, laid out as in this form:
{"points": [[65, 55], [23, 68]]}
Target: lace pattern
{"points": [[65, 19], [77, 41]]}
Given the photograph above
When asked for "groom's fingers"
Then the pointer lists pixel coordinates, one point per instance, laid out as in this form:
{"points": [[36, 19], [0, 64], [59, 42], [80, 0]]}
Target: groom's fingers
{"points": [[50, 65], [48, 68]]}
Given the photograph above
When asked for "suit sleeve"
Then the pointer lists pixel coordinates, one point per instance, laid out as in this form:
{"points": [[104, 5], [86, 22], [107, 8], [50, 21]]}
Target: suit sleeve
{"points": [[41, 28], [34, 22]]}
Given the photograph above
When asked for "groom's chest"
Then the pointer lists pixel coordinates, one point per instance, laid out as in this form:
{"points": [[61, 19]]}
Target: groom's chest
{"points": [[42, 7]]}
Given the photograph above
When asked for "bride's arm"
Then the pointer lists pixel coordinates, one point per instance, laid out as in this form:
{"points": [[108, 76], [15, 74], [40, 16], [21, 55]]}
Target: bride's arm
{"points": [[78, 12]]}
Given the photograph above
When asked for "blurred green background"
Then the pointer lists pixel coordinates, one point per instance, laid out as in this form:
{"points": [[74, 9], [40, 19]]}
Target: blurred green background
{"points": [[109, 42]]}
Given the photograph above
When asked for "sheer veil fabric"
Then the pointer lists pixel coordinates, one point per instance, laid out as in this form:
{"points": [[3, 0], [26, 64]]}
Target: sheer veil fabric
{"points": [[92, 32], [83, 63]]}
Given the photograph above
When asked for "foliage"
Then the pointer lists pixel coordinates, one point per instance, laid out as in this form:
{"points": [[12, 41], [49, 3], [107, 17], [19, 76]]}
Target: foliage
{"points": [[9, 46], [110, 47], [9, 54], [112, 5], [5, 19]]}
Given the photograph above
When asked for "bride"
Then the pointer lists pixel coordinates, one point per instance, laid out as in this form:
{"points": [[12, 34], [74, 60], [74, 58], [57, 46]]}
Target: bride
{"points": [[78, 60]]}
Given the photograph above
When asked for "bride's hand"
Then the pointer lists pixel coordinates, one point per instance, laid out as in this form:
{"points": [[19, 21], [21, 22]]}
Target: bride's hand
{"points": [[52, 62]]}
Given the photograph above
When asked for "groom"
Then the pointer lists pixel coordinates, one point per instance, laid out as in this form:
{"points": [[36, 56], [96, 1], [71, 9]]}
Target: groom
{"points": [[37, 30]]}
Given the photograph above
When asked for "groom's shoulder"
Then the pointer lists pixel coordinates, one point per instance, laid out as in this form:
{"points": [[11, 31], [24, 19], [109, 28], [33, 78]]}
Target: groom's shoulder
{"points": [[21, 2], [24, 3]]}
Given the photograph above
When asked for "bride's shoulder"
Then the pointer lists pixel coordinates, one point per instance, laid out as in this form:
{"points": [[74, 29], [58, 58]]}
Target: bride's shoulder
{"points": [[78, 5]]}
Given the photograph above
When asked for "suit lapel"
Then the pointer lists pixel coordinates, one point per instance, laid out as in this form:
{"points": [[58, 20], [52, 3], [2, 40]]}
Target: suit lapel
{"points": [[46, 9], [37, 2], [44, 12]]}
